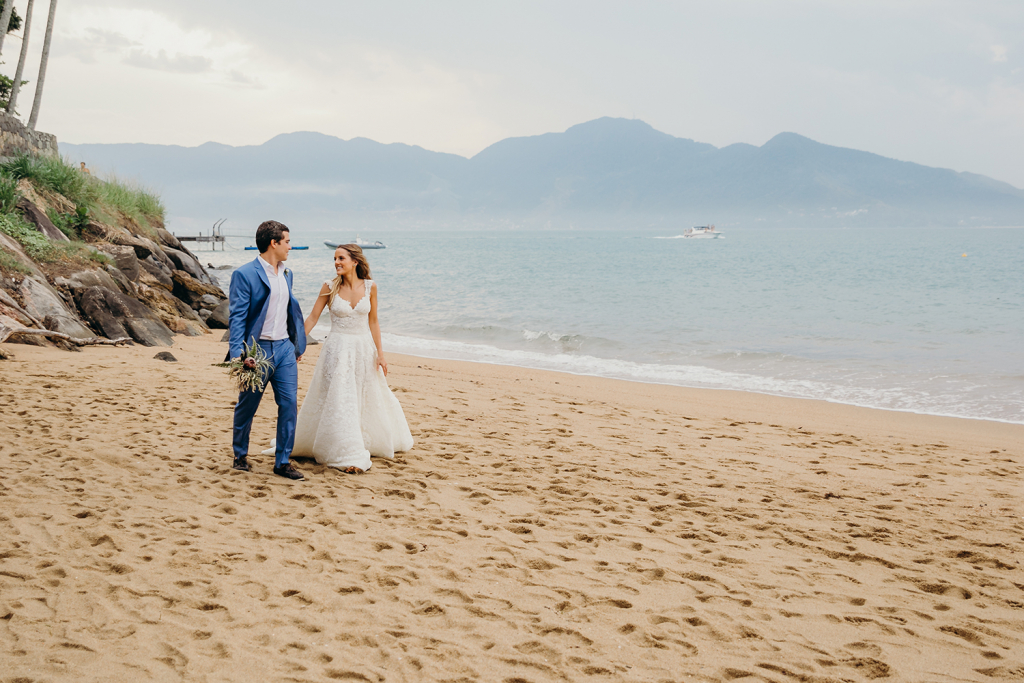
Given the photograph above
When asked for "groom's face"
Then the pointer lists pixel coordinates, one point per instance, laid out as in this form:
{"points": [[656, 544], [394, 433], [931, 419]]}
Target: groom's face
{"points": [[280, 248]]}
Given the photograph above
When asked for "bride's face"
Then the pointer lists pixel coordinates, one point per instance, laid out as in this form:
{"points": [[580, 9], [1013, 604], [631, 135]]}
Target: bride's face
{"points": [[343, 262]]}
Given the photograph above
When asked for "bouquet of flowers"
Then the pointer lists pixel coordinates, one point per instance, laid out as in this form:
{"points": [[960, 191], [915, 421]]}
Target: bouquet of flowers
{"points": [[249, 370]]}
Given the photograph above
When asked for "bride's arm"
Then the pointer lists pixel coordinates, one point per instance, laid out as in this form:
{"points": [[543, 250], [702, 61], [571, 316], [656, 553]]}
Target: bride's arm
{"points": [[375, 330], [318, 308]]}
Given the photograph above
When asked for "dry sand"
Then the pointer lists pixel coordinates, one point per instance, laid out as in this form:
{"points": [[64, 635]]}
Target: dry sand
{"points": [[545, 527]]}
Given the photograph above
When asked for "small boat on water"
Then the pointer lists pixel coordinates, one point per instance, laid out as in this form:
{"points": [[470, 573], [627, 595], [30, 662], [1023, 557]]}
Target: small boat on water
{"points": [[703, 232], [250, 248], [361, 243]]}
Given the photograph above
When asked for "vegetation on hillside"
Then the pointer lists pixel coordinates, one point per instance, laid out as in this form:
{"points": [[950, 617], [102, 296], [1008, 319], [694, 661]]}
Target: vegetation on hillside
{"points": [[75, 198]]}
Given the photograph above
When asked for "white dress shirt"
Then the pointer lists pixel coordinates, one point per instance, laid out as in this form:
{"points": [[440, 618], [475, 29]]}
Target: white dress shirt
{"points": [[275, 327]]}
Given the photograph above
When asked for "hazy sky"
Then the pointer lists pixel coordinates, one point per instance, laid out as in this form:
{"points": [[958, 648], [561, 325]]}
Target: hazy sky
{"points": [[936, 82]]}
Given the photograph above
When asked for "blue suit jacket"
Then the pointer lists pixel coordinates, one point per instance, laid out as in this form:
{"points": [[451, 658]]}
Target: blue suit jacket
{"points": [[249, 299]]}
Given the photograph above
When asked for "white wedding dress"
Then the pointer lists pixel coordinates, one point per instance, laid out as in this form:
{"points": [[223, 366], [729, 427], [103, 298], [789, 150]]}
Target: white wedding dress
{"points": [[349, 412]]}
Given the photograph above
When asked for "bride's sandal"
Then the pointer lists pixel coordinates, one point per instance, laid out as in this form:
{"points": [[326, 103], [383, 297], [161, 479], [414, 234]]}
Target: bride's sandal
{"points": [[352, 469]]}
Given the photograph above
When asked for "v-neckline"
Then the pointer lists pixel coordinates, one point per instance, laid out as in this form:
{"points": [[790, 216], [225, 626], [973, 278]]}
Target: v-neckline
{"points": [[352, 306]]}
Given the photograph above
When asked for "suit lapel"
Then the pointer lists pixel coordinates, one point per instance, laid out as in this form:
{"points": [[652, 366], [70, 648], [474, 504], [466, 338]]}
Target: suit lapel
{"points": [[261, 272]]}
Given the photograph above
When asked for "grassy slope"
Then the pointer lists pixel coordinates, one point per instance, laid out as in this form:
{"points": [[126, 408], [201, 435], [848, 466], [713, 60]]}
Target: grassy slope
{"points": [[73, 199]]}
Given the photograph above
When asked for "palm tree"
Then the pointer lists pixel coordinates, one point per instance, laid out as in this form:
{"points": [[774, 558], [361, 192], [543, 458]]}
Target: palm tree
{"points": [[16, 86], [42, 66], [5, 19]]}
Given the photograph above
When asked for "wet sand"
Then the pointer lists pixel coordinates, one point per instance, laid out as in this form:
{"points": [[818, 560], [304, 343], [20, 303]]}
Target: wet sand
{"points": [[545, 527]]}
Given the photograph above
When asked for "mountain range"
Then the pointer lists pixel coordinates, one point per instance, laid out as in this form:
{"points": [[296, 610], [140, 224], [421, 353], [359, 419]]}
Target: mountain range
{"points": [[605, 173]]}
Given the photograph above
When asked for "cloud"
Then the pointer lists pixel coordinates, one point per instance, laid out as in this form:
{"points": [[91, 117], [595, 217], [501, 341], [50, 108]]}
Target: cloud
{"points": [[998, 53], [179, 63], [108, 39], [236, 77]]}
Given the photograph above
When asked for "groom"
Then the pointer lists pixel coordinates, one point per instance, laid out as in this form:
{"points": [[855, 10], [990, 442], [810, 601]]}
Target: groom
{"points": [[263, 308]]}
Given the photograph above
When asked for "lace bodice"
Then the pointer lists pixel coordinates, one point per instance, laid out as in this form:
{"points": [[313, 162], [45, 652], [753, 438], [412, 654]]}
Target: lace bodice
{"points": [[348, 320]]}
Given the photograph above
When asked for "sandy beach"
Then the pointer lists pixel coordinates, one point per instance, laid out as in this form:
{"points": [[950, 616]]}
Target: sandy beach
{"points": [[545, 527]]}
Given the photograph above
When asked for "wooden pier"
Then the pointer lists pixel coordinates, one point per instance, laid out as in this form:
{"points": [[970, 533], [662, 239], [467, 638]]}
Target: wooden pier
{"points": [[214, 238]]}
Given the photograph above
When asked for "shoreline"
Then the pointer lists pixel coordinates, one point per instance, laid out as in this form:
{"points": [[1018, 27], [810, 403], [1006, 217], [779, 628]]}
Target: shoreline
{"points": [[696, 388], [749, 403], [545, 527]]}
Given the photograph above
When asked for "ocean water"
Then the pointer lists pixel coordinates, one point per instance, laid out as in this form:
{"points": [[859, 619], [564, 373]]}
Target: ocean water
{"points": [[922, 320]]}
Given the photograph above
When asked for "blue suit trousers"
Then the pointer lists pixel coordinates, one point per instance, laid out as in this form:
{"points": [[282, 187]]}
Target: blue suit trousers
{"points": [[284, 378]]}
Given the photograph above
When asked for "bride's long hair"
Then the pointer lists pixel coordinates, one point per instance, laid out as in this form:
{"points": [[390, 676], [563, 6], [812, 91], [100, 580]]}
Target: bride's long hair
{"points": [[362, 269]]}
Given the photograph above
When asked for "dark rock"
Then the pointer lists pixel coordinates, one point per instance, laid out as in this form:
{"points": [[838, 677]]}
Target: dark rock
{"points": [[125, 259], [42, 301], [86, 279], [209, 301], [168, 240], [123, 283], [188, 264], [219, 317], [167, 305], [117, 315], [190, 290], [40, 220], [159, 274], [167, 356], [101, 232], [227, 336]]}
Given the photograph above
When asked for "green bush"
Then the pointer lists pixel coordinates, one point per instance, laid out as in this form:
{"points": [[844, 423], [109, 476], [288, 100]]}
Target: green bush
{"points": [[9, 194], [70, 224], [34, 242]]}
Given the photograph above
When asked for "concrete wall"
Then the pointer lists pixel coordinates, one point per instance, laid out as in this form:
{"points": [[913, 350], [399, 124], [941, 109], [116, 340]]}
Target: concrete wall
{"points": [[15, 139]]}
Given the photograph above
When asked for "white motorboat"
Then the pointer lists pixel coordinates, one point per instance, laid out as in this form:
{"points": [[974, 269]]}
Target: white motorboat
{"points": [[361, 243], [703, 232]]}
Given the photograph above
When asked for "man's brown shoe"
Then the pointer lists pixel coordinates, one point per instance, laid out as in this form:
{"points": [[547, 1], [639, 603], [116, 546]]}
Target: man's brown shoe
{"points": [[288, 472], [241, 464]]}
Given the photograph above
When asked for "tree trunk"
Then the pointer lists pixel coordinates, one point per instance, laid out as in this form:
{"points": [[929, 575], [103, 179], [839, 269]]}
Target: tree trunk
{"points": [[16, 87], [42, 67], [11, 328], [5, 21]]}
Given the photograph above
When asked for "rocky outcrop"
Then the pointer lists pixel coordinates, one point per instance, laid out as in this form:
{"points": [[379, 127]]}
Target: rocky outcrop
{"points": [[12, 309], [123, 283], [150, 288], [86, 279], [117, 315], [189, 264], [125, 260], [43, 303], [191, 291], [173, 312], [219, 317], [34, 215], [156, 274]]}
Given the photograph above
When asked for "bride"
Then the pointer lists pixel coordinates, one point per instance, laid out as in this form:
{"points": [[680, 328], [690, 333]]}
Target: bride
{"points": [[349, 412]]}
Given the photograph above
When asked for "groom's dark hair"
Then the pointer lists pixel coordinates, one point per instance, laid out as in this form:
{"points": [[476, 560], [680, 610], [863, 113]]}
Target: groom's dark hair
{"points": [[268, 232]]}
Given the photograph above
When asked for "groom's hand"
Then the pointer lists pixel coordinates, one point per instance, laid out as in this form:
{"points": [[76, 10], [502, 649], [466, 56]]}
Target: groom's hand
{"points": [[298, 359]]}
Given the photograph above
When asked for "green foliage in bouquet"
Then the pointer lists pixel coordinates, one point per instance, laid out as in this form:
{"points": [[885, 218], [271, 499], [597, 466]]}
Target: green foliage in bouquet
{"points": [[248, 371]]}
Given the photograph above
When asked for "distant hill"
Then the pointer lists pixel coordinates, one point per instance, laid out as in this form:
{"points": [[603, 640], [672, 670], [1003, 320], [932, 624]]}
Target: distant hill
{"points": [[604, 173]]}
